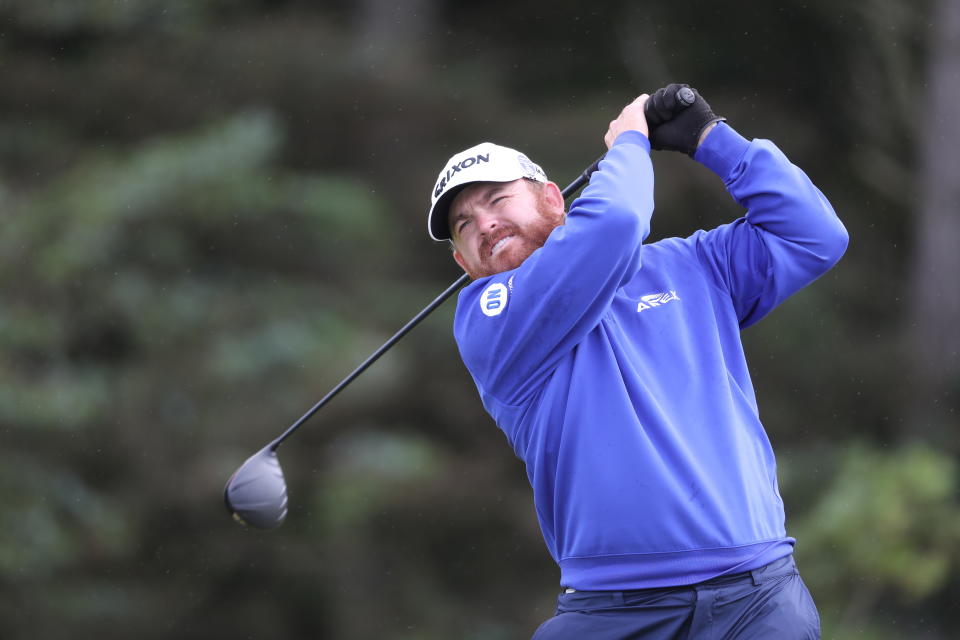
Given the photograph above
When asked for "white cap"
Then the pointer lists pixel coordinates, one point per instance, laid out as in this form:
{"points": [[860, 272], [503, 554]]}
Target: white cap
{"points": [[486, 162]]}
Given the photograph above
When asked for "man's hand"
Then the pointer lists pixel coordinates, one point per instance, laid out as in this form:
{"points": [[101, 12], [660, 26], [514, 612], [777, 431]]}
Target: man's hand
{"points": [[679, 119], [632, 118]]}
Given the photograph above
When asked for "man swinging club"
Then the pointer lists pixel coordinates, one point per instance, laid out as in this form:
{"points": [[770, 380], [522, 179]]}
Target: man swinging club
{"points": [[616, 371]]}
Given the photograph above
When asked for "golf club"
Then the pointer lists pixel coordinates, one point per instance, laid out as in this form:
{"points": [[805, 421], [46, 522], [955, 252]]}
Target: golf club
{"points": [[256, 493]]}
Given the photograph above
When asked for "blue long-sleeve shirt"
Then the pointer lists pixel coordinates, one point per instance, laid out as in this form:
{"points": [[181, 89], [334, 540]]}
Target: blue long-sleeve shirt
{"points": [[616, 371]]}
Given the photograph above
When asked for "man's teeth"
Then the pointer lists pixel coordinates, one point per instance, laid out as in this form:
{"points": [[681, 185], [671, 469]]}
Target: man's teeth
{"points": [[499, 244]]}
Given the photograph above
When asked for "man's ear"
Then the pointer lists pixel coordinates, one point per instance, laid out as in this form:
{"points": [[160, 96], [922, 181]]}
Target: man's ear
{"points": [[554, 197], [459, 259]]}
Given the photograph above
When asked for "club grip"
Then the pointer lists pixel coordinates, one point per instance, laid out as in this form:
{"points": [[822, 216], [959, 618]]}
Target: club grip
{"points": [[582, 179], [685, 97]]}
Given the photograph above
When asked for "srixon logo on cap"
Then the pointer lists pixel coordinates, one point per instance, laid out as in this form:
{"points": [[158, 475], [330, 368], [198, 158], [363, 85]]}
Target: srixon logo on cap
{"points": [[466, 163]]}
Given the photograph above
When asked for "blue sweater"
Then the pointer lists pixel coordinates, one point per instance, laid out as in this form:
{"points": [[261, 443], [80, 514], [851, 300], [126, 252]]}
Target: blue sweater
{"points": [[616, 371]]}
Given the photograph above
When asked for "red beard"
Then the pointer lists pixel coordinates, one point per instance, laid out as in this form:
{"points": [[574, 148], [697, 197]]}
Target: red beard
{"points": [[518, 249]]}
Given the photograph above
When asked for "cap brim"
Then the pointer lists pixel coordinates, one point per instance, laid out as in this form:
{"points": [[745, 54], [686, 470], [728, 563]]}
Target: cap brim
{"points": [[438, 223]]}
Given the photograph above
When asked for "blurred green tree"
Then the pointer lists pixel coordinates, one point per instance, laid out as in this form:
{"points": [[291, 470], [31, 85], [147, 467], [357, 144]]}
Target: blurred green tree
{"points": [[884, 536]]}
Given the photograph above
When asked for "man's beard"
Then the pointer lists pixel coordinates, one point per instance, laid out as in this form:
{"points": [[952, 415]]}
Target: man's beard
{"points": [[519, 248]]}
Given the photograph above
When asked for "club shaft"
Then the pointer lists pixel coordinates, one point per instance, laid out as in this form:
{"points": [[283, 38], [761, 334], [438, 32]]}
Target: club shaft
{"points": [[572, 188], [449, 291]]}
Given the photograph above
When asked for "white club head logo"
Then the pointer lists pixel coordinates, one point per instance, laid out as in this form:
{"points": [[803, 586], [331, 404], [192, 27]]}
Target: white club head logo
{"points": [[494, 299]]}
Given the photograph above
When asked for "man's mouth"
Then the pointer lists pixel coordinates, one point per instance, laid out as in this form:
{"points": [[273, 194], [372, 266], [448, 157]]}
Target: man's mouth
{"points": [[499, 245]]}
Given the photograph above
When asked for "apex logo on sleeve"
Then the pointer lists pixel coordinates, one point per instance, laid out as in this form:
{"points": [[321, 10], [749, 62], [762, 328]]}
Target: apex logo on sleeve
{"points": [[652, 300]]}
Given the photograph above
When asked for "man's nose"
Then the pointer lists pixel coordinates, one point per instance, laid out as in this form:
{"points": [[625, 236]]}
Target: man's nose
{"points": [[487, 222]]}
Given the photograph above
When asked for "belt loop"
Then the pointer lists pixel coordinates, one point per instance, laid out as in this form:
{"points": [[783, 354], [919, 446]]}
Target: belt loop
{"points": [[775, 569]]}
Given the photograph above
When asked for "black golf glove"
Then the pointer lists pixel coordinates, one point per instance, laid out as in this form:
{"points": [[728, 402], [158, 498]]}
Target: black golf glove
{"points": [[676, 116]]}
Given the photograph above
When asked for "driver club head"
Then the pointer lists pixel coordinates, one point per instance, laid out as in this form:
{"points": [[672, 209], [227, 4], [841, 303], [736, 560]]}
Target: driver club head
{"points": [[256, 493]]}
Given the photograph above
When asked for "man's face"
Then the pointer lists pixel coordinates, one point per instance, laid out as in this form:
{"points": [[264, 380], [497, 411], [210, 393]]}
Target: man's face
{"points": [[495, 226]]}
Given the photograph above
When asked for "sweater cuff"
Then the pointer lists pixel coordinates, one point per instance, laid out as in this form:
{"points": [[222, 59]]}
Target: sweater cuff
{"points": [[633, 136], [722, 150]]}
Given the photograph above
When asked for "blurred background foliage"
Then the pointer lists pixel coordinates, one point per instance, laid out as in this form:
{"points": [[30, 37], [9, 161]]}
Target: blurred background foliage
{"points": [[212, 211]]}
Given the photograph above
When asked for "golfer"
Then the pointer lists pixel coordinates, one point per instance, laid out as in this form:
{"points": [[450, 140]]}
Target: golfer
{"points": [[616, 371]]}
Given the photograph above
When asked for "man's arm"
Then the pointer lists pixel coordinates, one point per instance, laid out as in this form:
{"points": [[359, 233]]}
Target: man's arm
{"points": [[513, 327], [789, 236]]}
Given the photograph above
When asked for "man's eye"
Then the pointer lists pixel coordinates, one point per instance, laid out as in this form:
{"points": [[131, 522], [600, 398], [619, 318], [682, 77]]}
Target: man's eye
{"points": [[462, 225], [498, 199]]}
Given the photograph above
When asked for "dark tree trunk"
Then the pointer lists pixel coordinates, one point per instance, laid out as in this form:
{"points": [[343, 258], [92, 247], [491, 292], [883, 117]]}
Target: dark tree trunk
{"points": [[934, 329]]}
